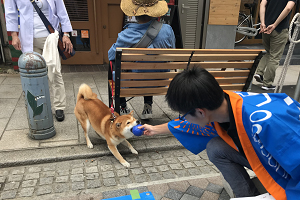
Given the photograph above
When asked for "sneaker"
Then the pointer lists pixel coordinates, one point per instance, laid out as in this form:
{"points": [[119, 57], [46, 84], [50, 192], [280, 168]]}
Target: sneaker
{"points": [[271, 87], [59, 115], [258, 78], [147, 112], [124, 111]]}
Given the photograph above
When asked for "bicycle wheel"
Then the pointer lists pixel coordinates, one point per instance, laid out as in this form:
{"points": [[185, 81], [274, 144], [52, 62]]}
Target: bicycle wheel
{"points": [[243, 22]]}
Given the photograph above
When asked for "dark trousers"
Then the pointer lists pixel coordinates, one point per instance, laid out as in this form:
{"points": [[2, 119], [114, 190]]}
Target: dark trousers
{"points": [[147, 100], [231, 164]]}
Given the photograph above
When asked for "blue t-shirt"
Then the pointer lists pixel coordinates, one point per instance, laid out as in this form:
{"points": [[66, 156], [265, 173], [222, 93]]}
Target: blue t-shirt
{"points": [[133, 32]]}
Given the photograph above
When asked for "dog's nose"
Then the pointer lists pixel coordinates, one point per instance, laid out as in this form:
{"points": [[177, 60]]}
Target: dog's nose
{"points": [[138, 122]]}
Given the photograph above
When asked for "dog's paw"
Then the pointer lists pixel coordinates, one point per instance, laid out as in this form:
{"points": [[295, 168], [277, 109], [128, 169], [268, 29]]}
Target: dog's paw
{"points": [[134, 151], [126, 164], [90, 145]]}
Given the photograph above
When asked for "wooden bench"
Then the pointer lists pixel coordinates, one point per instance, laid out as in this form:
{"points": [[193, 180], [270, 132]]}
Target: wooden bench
{"points": [[240, 65]]}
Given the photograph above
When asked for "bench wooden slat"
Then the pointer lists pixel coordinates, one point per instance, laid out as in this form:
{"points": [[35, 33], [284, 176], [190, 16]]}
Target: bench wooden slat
{"points": [[235, 73], [234, 87], [167, 75], [185, 57], [163, 90], [156, 83], [188, 51], [144, 91], [145, 83], [182, 65], [150, 94], [231, 80], [221, 81]]}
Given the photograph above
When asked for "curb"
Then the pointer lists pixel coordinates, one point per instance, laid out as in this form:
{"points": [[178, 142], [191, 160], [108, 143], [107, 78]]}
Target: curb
{"points": [[57, 154]]}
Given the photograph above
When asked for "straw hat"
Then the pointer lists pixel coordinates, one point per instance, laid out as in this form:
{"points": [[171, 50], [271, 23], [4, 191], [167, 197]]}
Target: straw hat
{"points": [[152, 8]]}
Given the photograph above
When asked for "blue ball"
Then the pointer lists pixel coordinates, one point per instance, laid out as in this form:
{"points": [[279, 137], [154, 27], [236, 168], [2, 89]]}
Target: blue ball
{"points": [[136, 131]]}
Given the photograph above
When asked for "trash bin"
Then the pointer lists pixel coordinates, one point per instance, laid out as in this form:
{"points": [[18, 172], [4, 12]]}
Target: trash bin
{"points": [[34, 79]]}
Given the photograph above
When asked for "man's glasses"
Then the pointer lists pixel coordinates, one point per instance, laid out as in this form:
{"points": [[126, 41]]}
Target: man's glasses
{"points": [[183, 116]]}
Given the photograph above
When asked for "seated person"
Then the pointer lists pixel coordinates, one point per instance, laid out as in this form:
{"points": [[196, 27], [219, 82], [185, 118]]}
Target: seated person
{"points": [[144, 13]]}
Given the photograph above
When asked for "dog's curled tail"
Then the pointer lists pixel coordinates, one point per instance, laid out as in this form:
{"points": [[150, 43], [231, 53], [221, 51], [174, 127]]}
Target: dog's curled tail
{"points": [[85, 92]]}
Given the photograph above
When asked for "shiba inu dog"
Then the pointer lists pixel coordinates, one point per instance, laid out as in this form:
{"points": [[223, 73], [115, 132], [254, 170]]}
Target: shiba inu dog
{"points": [[89, 110]]}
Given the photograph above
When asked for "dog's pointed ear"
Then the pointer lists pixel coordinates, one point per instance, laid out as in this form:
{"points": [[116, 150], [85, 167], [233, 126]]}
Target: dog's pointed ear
{"points": [[131, 113], [118, 125]]}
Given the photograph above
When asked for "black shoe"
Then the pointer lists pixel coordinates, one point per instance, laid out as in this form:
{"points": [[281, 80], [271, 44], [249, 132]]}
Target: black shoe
{"points": [[259, 78], [271, 87], [59, 115]]}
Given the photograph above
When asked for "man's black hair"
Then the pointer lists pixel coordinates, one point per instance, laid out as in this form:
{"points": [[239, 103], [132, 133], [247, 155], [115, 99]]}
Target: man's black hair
{"points": [[194, 88]]}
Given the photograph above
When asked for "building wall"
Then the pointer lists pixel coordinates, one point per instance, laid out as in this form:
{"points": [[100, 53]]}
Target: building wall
{"points": [[222, 21]]}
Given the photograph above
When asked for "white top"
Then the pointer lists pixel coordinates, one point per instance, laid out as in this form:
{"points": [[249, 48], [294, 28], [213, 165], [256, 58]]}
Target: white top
{"points": [[57, 15], [39, 28]]}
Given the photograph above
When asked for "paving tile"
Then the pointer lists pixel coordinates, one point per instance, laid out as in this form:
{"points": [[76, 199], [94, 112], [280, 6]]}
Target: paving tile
{"points": [[77, 186], [125, 180], [109, 182], [10, 91], [201, 183], [18, 119], [2, 79], [11, 186], [174, 194], [194, 171], [7, 107], [155, 176], [114, 193], [179, 185], [216, 180], [20, 141], [195, 191], [160, 189], [93, 184], [44, 190], [181, 173], [26, 192], [61, 187], [209, 196], [59, 143], [3, 123], [165, 198], [66, 130], [224, 195], [214, 188], [157, 196], [29, 183], [189, 197], [12, 80], [11, 194], [203, 155]]}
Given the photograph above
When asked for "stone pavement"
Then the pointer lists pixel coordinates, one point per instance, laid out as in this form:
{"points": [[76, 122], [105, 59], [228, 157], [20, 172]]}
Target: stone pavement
{"points": [[63, 167], [177, 175]]}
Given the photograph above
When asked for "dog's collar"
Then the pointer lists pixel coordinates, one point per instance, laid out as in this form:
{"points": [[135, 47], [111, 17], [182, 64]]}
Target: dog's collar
{"points": [[112, 119]]}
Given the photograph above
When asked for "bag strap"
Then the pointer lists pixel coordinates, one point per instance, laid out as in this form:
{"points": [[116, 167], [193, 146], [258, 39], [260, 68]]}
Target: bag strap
{"points": [[150, 34], [49, 27]]}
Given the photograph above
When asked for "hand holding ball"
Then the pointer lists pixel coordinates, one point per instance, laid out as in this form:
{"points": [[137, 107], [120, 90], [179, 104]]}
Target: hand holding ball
{"points": [[136, 131]]}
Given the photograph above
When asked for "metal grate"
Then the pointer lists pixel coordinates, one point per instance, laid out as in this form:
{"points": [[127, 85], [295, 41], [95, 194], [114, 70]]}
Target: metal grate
{"points": [[77, 10], [191, 25]]}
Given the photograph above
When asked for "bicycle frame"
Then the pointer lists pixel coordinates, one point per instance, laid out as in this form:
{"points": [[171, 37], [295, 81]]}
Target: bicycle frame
{"points": [[248, 31]]}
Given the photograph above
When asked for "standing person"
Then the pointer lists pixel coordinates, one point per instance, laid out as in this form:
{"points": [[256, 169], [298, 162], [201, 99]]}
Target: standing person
{"points": [[145, 11], [238, 130], [32, 35], [274, 17]]}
